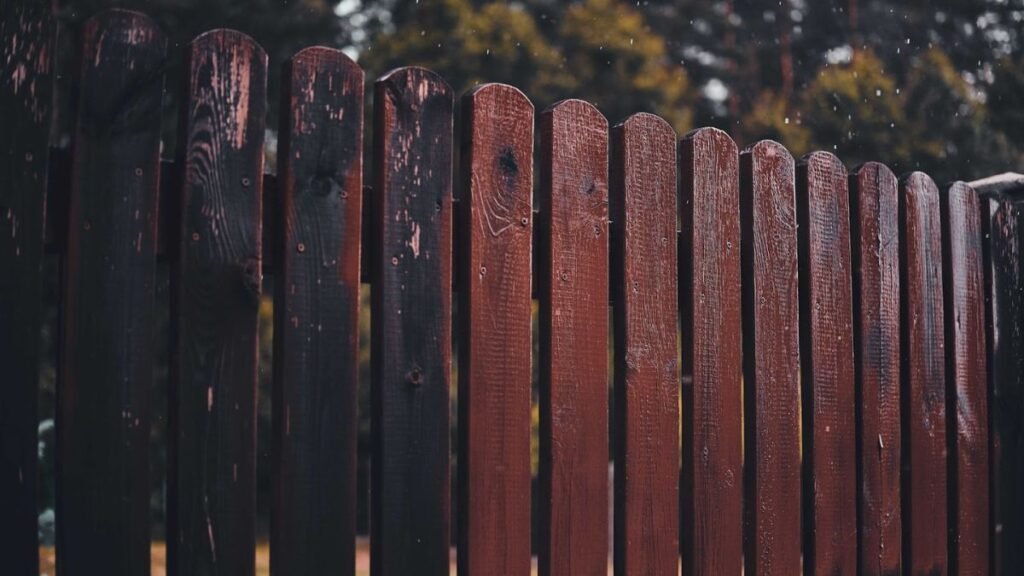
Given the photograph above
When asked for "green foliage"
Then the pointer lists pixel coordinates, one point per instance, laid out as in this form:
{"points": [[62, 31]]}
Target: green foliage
{"points": [[771, 117], [1006, 97], [856, 111]]}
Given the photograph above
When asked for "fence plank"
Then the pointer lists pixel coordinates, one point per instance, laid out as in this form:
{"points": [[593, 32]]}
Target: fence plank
{"points": [[494, 356], [923, 395], [1004, 279], [411, 323], [876, 313], [966, 381], [827, 371], [215, 301], [26, 64], [771, 360], [109, 309], [711, 302], [316, 355], [643, 195], [574, 341]]}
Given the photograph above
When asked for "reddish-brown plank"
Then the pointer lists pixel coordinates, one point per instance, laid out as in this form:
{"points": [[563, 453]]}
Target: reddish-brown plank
{"points": [[316, 354], [643, 204], [215, 299], [966, 381], [771, 366], [1004, 288], [711, 302], [495, 342], [876, 335], [923, 394], [573, 285], [27, 29], [411, 315], [109, 314], [827, 371]]}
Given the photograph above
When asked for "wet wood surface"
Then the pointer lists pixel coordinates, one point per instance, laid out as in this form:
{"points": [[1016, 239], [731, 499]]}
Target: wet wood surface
{"points": [[826, 356], [573, 289], [216, 292], [966, 380], [495, 345], [923, 395], [643, 200], [316, 355], [771, 334], [411, 312], [876, 313], [27, 30], [1004, 290], [710, 302], [108, 340]]}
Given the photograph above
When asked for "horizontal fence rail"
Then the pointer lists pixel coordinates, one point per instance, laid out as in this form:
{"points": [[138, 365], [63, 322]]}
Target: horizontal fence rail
{"points": [[805, 368]]}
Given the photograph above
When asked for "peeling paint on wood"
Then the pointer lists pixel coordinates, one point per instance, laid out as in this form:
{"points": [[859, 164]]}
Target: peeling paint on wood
{"points": [[411, 352], [215, 298], [316, 354]]}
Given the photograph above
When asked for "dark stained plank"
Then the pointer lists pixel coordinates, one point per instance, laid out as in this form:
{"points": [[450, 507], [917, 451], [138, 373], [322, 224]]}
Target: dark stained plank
{"points": [[27, 29], [574, 341], [827, 371], [643, 205], [923, 395], [316, 354], [215, 303], [771, 367], [711, 302], [495, 343], [966, 381], [411, 315], [874, 207], [108, 317], [1004, 289]]}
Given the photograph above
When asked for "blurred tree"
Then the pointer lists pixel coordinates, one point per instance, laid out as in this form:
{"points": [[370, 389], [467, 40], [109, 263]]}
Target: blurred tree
{"points": [[1006, 97], [856, 111], [772, 117]]}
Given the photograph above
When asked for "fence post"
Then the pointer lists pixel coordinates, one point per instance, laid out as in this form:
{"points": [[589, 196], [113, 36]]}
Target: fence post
{"points": [[107, 351], [411, 315], [26, 64], [827, 372], [316, 315], [923, 395], [643, 197], [573, 340], [495, 308], [771, 360], [711, 306], [874, 207], [1004, 279], [216, 275]]}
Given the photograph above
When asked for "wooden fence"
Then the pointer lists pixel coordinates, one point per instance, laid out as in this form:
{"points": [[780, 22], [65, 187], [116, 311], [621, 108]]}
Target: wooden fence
{"points": [[804, 357]]}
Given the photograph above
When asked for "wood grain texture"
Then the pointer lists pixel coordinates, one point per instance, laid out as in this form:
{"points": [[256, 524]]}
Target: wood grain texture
{"points": [[771, 368], [827, 371], [874, 216], [573, 285], [643, 196], [108, 350], [316, 354], [216, 292], [495, 344], [923, 395], [411, 362], [27, 29], [1004, 289], [711, 302], [966, 381]]}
